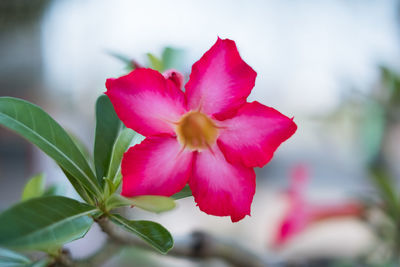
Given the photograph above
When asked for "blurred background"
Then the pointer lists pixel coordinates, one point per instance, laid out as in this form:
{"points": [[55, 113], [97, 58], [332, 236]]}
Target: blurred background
{"points": [[332, 64]]}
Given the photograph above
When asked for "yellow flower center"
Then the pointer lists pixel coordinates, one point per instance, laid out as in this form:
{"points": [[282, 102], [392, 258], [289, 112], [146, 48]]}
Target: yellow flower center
{"points": [[196, 130]]}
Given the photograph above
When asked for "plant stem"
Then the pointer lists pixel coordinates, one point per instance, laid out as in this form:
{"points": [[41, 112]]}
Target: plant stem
{"points": [[198, 245], [105, 253], [63, 259]]}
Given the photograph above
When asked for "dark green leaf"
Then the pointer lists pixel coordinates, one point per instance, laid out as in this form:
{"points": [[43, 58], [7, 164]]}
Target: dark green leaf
{"points": [[153, 233], [34, 187], [38, 127], [386, 189], [9, 258], [108, 126], [155, 204], [185, 192], [45, 222], [391, 86]]}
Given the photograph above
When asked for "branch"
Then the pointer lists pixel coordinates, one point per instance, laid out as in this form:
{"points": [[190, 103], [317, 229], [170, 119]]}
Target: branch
{"points": [[198, 245], [63, 259], [101, 256]]}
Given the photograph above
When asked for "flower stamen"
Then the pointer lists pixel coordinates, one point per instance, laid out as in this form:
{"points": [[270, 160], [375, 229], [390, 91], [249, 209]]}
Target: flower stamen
{"points": [[196, 131]]}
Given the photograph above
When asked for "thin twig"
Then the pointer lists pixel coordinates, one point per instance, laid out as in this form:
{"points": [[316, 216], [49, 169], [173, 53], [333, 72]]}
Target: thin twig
{"points": [[198, 245]]}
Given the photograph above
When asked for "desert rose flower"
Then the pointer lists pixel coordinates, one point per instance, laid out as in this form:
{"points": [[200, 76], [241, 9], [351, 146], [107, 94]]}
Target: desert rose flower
{"points": [[208, 136], [302, 213]]}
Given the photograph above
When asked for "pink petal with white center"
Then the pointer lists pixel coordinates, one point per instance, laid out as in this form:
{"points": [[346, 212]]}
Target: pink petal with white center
{"points": [[253, 135], [220, 188], [145, 102], [157, 166], [220, 81]]}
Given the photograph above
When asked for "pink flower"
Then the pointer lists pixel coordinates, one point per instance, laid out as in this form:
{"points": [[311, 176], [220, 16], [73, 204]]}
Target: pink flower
{"points": [[207, 136], [301, 214]]}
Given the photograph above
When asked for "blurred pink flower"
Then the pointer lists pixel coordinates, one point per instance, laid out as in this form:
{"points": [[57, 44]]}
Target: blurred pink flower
{"points": [[302, 214], [207, 136]]}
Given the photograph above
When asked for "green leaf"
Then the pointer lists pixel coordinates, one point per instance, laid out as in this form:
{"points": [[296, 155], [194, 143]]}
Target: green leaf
{"points": [[45, 222], [155, 204], [34, 124], [372, 129], [387, 191], [155, 62], [108, 126], [153, 233], [130, 63], [172, 58], [185, 192], [9, 258], [40, 263], [82, 147], [79, 188], [114, 176], [55, 190], [34, 187], [121, 145]]}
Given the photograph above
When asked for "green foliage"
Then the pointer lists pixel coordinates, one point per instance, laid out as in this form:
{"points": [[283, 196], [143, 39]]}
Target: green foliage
{"points": [[172, 58], [79, 188], [130, 64], [372, 129], [44, 223], [108, 126], [34, 187], [55, 190], [155, 204], [153, 233], [40, 263], [120, 146], [82, 147], [185, 192], [391, 86], [12, 258], [155, 62], [387, 191], [34, 124]]}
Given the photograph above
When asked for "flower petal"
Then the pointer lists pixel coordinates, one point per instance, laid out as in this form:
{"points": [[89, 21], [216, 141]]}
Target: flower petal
{"points": [[220, 81], [297, 217], [253, 135], [157, 166], [220, 188], [145, 102], [175, 77]]}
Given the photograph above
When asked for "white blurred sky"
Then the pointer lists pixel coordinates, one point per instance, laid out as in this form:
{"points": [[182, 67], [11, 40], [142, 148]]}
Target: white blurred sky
{"points": [[305, 52]]}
